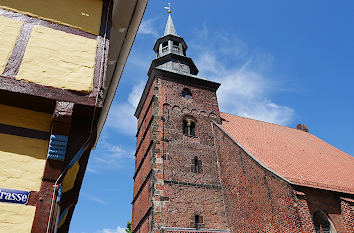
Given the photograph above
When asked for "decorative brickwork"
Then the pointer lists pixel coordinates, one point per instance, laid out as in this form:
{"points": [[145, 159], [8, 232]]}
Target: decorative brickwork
{"points": [[164, 155]]}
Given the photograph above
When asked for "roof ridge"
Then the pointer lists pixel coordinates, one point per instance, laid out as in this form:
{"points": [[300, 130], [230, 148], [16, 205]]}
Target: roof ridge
{"points": [[298, 131], [260, 121]]}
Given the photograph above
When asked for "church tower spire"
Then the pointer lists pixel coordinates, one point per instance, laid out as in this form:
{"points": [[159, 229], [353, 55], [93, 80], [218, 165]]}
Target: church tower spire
{"points": [[171, 50], [170, 27]]}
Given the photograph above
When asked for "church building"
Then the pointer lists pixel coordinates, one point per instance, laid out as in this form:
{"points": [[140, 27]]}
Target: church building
{"points": [[60, 64], [201, 170]]}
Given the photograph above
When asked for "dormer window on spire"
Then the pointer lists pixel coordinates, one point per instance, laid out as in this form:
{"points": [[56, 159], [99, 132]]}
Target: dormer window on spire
{"points": [[165, 47], [175, 46]]}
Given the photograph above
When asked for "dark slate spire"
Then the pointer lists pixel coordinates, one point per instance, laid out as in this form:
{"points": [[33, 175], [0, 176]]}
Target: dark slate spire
{"points": [[170, 27]]}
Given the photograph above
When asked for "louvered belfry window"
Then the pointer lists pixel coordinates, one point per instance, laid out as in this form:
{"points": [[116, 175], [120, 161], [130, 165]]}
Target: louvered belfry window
{"points": [[189, 125]]}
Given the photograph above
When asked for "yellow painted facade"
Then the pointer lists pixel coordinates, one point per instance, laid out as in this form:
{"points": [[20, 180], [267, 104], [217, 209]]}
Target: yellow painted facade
{"points": [[9, 31], [70, 177], [16, 218], [24, 118], [82, 14], [22, 162], [22, 159], [59, 59]]}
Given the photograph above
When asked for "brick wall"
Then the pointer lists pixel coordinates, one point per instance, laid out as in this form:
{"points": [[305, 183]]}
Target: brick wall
{"points": [[190, 193], [347, 207], [304, 213], [148, 180], [143, 178], [256, 200], [259, 201], [339, 211]]}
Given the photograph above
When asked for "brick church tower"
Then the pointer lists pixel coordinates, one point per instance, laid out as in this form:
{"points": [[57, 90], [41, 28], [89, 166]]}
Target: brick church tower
{"points": [[176, 181], [201, 170]]}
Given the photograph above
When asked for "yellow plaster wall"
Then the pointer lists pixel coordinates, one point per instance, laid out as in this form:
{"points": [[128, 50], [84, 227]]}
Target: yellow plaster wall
{"points": [[22, 162], [24, 118], [59, 59], [16, 218], [81, 14], [70, 177], [9, 31]]}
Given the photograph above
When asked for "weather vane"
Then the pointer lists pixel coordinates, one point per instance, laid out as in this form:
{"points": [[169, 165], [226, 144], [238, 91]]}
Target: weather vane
{"points": [[168, 8]]}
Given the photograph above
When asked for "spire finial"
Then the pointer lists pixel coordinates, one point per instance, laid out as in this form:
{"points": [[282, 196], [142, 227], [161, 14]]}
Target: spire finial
{"points": [[168, 8], [170, 27]]}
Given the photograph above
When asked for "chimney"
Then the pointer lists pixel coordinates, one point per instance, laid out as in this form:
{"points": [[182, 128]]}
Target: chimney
{"points": [[302, 127]]}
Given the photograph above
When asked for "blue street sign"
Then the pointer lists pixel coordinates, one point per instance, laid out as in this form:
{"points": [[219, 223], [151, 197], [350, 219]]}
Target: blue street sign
{"points": [[14, 196]]}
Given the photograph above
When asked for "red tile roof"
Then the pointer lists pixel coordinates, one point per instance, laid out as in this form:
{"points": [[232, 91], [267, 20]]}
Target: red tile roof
{"points": [[295, 155]]}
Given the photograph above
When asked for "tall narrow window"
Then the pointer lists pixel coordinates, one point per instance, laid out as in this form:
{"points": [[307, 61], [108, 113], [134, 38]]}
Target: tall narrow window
{"points": [[189, 126], [165, 46], [196, 166], [197, 221], [322, 223], [175, 46]]}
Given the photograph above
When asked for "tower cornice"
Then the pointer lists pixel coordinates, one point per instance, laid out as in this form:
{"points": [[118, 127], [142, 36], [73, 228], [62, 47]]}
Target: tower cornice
{"points": [[177, 77], [174, 57]]}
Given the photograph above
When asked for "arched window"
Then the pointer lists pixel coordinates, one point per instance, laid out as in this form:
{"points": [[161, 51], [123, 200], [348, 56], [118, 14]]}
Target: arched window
{"points": [[186, 93], [196, 166], [164, 44], [175, 46], [322, 223], [189, 126]]}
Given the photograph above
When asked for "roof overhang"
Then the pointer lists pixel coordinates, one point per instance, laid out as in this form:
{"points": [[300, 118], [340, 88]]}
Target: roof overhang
{"points": [[170, 57], [126, 19]]}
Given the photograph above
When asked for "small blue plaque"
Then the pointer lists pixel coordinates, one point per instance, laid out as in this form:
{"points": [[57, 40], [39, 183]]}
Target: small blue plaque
{"points": [[14, 196]]}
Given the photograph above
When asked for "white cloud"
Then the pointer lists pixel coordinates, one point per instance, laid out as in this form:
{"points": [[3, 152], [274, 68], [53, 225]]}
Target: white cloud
{"points": [[117, 230], [121, 116], [147, 28], [244, 90], [135, 94], [93, 198], [108, 156]]}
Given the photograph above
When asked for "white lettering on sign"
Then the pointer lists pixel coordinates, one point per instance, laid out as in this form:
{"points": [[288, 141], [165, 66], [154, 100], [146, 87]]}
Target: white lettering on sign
{"points": [[14, 196]]}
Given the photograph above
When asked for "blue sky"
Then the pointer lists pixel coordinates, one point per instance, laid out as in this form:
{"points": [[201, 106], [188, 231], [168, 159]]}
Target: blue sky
{"points": [[281, 61]]}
